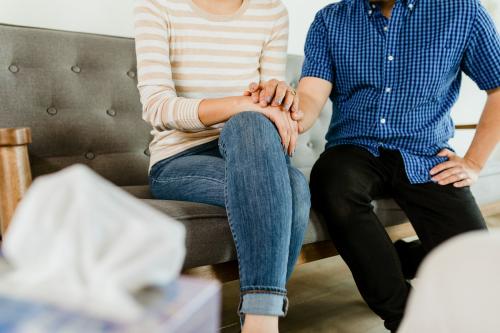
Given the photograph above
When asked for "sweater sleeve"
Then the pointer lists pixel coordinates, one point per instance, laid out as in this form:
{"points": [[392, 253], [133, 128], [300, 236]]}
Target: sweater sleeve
{"points": [[162, 108], [274, 53]]}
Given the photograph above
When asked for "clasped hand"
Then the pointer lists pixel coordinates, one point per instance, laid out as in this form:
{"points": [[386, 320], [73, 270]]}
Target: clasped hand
{"points": [[280, 103]]}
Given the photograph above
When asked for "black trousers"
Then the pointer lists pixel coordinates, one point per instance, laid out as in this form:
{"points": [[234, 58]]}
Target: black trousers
{"points": [[344, 182]]}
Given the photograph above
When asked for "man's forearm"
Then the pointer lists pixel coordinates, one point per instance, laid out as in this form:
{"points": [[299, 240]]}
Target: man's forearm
{"points": [[488, 132], [313, 93]]}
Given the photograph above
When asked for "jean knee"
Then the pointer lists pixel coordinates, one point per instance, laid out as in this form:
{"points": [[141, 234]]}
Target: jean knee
{"points": [[250, 129]]}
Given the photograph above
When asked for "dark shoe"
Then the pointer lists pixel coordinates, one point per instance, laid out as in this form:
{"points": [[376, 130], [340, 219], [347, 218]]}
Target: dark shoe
{"points": [[411, 255]]}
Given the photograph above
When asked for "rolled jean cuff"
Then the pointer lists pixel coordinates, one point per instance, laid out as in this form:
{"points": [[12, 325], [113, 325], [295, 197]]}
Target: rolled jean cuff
{"points": [[263, 304]]}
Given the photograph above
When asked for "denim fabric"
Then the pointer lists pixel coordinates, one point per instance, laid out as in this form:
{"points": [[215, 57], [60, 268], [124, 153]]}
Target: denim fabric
{"points": [[267, 202]]}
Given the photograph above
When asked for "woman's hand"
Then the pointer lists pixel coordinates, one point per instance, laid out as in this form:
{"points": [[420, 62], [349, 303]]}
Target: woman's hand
{"points": [[276, 93], [288, 128]]}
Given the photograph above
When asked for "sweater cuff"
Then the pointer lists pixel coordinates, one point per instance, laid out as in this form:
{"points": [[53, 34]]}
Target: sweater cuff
{"points": [[188, 119]]}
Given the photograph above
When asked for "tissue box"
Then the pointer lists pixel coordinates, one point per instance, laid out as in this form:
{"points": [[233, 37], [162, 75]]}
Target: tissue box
{"points": [[186, 305]]}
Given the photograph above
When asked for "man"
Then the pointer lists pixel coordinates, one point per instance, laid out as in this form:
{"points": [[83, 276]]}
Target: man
{"points": [[393, 71]]}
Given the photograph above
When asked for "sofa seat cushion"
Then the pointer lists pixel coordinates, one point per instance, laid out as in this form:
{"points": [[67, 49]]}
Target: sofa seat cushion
{"points": [[209, 239]]}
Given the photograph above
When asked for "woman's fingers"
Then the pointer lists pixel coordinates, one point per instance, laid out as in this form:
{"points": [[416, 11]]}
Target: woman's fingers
{"points": [[280, 93], [262, 98], [269, 89]]}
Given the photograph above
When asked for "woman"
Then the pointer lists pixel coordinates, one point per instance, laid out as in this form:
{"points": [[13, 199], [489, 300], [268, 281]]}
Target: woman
{"points": [[212, 145]]}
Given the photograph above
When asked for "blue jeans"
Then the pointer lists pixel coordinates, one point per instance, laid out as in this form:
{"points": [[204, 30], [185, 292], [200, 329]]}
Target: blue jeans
{"points": [[267, 201]]}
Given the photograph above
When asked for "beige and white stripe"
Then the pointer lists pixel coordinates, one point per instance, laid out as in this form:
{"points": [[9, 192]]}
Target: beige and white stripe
{"points": [[185, 55]]}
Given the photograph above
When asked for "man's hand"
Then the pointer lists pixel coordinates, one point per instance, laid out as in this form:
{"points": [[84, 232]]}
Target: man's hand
{"points": [[461, 172], [276, 93]]}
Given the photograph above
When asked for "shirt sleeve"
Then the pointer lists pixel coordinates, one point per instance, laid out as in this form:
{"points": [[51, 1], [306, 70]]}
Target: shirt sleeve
{"points": [[481, 61], [274, 53], [318, 60], [162, 108]]}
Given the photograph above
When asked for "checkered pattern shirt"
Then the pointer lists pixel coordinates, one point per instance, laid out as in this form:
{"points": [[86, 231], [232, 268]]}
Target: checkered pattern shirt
{"points": [[395, 81]]}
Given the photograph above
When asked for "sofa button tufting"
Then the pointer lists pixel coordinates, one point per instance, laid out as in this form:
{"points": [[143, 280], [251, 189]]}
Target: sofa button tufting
{"points": [[111, 112], [89, 155], [131, 74], [146, 152], [52, 111], [76, 69], [310, 145], [13, 68]]}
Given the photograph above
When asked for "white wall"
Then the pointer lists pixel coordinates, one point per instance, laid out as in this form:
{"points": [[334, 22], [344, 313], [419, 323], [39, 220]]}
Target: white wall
{"points": [[114, 17]]}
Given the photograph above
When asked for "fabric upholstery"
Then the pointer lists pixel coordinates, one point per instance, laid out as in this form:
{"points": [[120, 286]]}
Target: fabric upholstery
{"points": [[78, 94]]}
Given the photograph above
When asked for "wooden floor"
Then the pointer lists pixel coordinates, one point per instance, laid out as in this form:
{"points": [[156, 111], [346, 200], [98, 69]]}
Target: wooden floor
{"points": [[323, 299]]}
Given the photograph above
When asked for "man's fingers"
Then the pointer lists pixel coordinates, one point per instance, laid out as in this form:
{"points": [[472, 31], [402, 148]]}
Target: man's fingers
{"points": [[463, 183], [287, 102], [282, 130], [293, 138], [453, 179], [447, 173], [446, 153], [295, 105], [297, 116], [443, 166]]}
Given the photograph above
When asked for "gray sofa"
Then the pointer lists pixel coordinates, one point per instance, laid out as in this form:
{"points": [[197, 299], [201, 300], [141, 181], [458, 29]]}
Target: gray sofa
{"points": [[77, 92]]}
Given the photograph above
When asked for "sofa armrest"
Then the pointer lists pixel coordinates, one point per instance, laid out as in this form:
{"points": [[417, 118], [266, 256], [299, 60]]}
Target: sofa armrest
{"points": [[466, 126], [15, 171]]}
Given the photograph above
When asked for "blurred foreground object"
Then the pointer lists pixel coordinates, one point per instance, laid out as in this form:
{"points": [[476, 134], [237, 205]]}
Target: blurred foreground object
{"points": [[185, 306], [457, 288], [81, 243]]}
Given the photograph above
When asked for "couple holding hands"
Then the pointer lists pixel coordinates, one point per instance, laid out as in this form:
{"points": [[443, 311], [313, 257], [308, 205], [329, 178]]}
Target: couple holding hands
{"points": [[225, 125]]}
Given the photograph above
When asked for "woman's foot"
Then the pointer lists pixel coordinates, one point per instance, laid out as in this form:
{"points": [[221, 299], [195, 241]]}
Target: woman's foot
{"points": [[260, 324]]}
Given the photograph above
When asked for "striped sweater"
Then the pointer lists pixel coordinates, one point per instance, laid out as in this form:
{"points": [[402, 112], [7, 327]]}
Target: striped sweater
{"points": [[185, 55]]}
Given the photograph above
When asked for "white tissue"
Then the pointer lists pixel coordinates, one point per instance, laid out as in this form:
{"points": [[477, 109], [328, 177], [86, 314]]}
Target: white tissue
{"points": [[81, 243]]}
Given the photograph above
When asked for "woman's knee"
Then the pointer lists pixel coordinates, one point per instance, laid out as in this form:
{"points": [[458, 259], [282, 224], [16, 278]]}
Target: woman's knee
{"points": [[248, 129]]}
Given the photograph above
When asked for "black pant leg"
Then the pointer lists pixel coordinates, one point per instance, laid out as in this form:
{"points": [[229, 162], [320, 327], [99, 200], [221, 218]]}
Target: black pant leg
{"points": [[436, 212], [344, 181]]}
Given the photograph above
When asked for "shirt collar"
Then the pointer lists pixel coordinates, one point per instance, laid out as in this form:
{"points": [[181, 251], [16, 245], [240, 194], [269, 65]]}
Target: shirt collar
{"points": [[410, 4]]}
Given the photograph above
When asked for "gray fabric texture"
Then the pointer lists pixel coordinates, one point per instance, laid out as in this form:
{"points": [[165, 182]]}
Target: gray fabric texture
{"points": [[78, 94]]}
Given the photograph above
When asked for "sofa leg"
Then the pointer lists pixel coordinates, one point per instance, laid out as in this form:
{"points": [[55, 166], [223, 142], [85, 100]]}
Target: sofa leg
{"points": [[15, 171]]}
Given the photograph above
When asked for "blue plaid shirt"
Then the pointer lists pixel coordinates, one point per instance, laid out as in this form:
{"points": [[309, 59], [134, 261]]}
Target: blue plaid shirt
{"points": [[395, 81]]}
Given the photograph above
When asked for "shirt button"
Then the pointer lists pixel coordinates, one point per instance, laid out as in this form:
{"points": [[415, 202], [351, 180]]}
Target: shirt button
{"points": [[386, 28], [388, 90], [410, 6], [390, 58], [370, 12], [383, 121]]}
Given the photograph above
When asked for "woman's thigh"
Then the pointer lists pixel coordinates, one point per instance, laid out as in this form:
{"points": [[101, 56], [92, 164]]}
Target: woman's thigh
{"points": [[194, 178]]}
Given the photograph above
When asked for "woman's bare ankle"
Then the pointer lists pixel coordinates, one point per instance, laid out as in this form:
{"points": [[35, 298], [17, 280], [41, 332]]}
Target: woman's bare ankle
{"points": [[260, 324]]}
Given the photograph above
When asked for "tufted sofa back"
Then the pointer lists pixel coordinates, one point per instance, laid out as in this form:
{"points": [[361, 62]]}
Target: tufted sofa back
{"points": [[78, 94]]}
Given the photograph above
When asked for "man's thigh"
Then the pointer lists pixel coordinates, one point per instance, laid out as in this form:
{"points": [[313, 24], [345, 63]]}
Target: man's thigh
{"points": [[438, 212], [345, 170]]}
